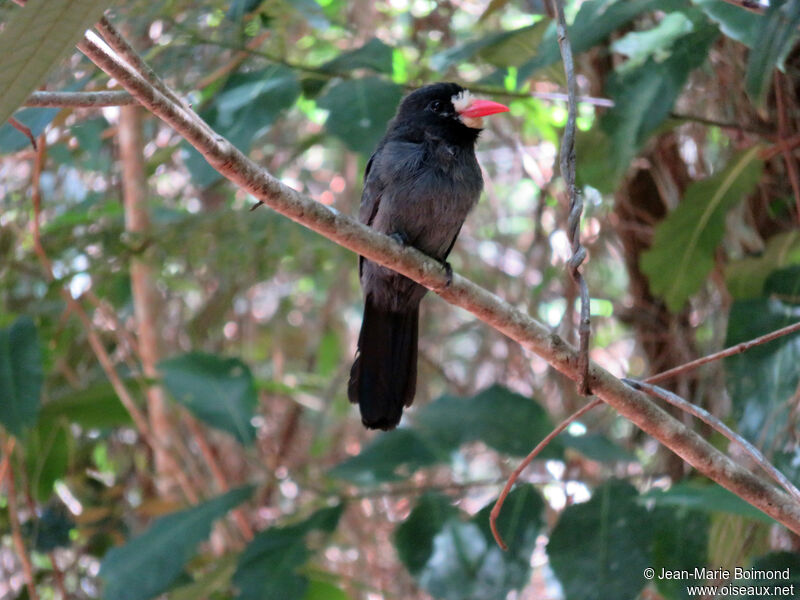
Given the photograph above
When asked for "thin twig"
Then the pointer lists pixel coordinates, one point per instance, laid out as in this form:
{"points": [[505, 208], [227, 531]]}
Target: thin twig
{"points": [[23, 129], [732, 350], [96, 344], [16, 532], [498, 505], [575, 200], [783, 131], [79, 99], [719, 426], [458, 291]]}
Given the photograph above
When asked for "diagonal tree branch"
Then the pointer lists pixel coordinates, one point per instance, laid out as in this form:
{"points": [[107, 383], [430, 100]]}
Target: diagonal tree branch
{"points": [[519, 326]]}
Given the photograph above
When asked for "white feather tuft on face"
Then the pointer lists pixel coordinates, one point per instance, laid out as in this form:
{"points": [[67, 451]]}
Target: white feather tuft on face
{"points": [[462, 100]]}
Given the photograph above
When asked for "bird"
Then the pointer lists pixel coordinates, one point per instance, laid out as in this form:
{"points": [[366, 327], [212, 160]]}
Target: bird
{"points": [[419, 185]]}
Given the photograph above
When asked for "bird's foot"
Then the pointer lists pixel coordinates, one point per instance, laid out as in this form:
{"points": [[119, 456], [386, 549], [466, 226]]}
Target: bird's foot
{"points": [[448, 273], [400, 237]]}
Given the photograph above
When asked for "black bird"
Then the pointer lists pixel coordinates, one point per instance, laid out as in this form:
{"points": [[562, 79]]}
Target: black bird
{"points": [[419, 185]]}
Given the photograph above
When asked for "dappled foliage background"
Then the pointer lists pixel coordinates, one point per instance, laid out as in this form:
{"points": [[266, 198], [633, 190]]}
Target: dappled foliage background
{"points": [[691, 223]]}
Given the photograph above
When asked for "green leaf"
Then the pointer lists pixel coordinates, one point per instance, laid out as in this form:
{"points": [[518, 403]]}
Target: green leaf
{"points": [[35, 119], [47, 450], [761, 380], [638, 46], [413, 538], [745, 278], [359, 111], [457, 559], [268, 567], [599, 549], [644, 96], [146, 565], [785, 284], [774, 562], [735, 22], [707, 498], [34, 39], [595, 21], [596, 447], [218, 391], [21, 375], [502, 419], [96, 407], [680, 542], [321, 590], [776, 36], [374, 55], [217, 579], [244, 109], [391, 456], [682, 254], [502, 49]]}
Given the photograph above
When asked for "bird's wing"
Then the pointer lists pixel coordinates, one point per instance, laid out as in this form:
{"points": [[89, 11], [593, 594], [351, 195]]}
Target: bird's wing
{"points": [[370, 201]]}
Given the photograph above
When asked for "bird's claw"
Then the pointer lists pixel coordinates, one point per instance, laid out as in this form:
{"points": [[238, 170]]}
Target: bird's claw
{"points": [[400, 237], [448, 273]]}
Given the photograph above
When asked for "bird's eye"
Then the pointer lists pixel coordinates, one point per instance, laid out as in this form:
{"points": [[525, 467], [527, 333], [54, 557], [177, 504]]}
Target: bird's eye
{"points": [[435, 106]]}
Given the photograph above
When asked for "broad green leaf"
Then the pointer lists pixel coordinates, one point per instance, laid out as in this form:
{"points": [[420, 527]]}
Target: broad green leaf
{"points": [[34, 39], [761, 380], [216, 579], [502, 49], [599, 549], [680, 542], [374, 55], [359, 110], [268, 567], [47, 456], [735, 22], [638, 46], [682, 253], [244, 109], [96, 407], [595, 21], [745, 277], [708, 498], [21, 375], [149, 563], [502, 419], [776, 36], [596, 447], [644, 96], [322, 590], [391, 456], [774, 562], [458, 559], [413, 538], [218, 391], [784, 284]]}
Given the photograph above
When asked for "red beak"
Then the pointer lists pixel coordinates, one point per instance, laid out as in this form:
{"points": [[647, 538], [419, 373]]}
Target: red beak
{"points": [[482, 108]]}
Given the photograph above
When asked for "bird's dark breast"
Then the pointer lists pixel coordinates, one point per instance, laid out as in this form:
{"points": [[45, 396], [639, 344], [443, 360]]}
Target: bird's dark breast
{"points": [[432, 188]]}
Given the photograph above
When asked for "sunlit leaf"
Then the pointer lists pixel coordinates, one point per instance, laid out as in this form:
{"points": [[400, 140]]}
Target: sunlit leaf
{"points": [[644, 96], [359, 111], [638, 46], [321, 590], [162, 551], [682, 253], [34, 39], [218, 391], [599, 549], [21, 375], [96, 407], [47, 456]]}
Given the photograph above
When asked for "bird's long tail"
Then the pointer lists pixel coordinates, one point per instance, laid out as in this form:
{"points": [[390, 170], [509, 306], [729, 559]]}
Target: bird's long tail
{"points": [[383, 378]]}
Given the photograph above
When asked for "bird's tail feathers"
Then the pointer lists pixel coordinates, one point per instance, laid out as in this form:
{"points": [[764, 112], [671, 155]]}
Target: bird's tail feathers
{"points": [[383, 378]]}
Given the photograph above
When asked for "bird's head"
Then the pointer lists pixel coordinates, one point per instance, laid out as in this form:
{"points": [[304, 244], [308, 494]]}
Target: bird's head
{"points": [[446, 107]]}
